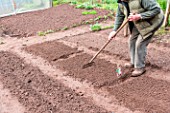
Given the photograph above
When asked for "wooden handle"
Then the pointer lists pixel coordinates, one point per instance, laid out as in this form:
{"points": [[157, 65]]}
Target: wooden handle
{"points": [[121, 26], [108, 41]]}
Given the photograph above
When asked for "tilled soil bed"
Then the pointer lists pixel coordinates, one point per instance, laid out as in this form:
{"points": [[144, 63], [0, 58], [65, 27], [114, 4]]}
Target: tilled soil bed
{"points": [[144, 94], [38, 92], [60, 17], [157, 58], [65, 59], [141, 94]]}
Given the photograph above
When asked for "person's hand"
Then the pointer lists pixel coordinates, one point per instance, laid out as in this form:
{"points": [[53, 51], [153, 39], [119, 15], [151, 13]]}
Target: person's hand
{"points": [[111, 35], [134, 17]]}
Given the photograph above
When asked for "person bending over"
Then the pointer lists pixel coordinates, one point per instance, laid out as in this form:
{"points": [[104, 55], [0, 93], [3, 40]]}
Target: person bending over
{"points": [[145, 17]]}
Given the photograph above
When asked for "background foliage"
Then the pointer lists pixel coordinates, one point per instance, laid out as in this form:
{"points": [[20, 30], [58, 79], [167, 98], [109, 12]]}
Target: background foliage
{"points": [[104, 4]]}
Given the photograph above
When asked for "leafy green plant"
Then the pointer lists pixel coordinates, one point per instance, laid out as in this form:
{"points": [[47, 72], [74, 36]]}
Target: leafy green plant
{"points": [[107, 27], [93, 12], [105, 17], [162, 4], [73, 2], [89, 7], [49, 31], [98, 18], [80, 6], [87, 22], [74, 25], [41, 33], [109, 1], [95, 27], [112, 7], [57, 2], [89, 4], [64, 28], [86, 6], [98, 5]]}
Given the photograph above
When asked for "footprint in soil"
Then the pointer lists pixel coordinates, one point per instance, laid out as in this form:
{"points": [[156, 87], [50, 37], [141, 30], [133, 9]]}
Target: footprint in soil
{"points": [[119, 80], [29, 81]]}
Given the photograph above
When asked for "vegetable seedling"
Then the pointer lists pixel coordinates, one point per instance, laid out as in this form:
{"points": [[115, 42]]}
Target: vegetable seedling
{"points": [[95, 27]]}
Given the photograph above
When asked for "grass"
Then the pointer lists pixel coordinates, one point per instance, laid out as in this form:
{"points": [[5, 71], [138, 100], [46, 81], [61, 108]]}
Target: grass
{"points": [[93, 12]]}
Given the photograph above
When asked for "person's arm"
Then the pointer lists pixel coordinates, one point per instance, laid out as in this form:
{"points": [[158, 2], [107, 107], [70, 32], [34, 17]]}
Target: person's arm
{"points": [[118, 22], [119, 19], [152, 9]]}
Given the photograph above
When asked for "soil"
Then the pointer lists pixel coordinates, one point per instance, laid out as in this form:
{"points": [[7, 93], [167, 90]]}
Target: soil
{"points": [[38, 92], [28, 24], [61, 51], [143, 94], [157, 58], [96, 73]]}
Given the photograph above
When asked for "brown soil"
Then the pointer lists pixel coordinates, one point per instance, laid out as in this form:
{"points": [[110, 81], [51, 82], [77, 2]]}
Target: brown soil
{"points": [[55, 18], [41, 93], [143, 94], [157, 58], [38, 92], [49, 48], [96, 72], [162, 40]]}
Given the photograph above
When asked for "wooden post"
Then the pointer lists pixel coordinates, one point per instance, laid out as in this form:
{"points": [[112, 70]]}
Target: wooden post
{"points": [[167, 13], [14, 6], [51, 3]]}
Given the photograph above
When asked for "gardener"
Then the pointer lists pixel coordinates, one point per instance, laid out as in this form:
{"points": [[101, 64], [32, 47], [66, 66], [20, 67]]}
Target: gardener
{"points": [[145, 17]]}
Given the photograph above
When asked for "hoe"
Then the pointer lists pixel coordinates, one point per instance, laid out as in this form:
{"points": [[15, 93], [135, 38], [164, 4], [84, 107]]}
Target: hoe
{"points": [[90, 63]]}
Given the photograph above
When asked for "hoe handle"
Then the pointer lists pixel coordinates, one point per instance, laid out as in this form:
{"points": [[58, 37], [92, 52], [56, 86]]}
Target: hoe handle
{"points": [[108, 41]]}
